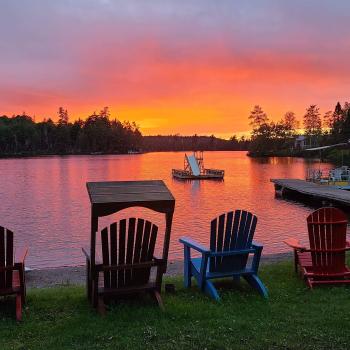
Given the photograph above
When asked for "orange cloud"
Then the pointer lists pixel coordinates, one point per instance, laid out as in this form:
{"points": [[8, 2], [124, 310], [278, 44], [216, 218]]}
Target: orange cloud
{"points": [[172, 72]]}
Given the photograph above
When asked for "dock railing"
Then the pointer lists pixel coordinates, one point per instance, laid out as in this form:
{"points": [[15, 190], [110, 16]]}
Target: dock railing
{"points": [[216, 172], [317, 175]]}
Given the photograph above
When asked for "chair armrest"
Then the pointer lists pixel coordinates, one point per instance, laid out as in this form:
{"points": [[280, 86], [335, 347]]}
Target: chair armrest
{"points": [[123, 267], [87, 255], [256, 245], [15, 267], [233, 252], [294, 243], [189, 242], [159, 261], [20, 255]]}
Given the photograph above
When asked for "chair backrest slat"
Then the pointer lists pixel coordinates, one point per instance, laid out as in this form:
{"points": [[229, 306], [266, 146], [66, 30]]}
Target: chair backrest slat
{"points": [[114, 254], [220, 237], [121, 258], [241, 234], [130, 248], [6, 257], [213, 234], [137, 247], [152, 242], [327, 231], [231, 231], [236, 221], [228, 230], [105, 256], [143, 274], [9, 257], [2, 258], [138, 242], [145, 241]]}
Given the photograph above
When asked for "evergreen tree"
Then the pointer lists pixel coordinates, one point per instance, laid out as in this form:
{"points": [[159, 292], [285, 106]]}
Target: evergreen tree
{"points": [[20, 134], [337, 123], [62, 116], [258, 117], [312, 121], [258, 120], [328, 119], [290, 123], [346, 126]]}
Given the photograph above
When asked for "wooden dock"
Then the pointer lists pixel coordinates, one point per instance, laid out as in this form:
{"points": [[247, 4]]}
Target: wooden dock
{"points": [[310, 189]]}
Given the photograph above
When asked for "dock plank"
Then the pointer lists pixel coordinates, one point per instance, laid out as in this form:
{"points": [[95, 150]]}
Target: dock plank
{"points": [[314, 190]]}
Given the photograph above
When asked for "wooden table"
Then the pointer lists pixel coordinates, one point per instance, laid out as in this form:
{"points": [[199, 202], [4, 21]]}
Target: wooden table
{"points": [[107, 198]]}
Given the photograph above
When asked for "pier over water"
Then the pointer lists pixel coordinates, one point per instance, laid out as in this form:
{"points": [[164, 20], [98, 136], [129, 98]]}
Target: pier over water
{"points": [[312, 190]]}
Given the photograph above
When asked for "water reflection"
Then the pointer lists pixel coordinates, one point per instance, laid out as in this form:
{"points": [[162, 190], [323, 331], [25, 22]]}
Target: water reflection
{"points": [[44, 200]]}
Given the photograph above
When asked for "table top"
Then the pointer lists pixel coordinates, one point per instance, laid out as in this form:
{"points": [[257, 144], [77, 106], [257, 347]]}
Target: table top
{"points": [[128, 192]]}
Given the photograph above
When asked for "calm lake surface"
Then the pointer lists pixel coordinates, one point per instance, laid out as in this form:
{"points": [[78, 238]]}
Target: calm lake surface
{"points": [[45, 202]]}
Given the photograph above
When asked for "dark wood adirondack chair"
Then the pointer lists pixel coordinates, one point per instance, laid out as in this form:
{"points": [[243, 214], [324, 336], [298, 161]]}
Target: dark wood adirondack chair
{"points": [[324, 261], [127, 260], [12, 278], [231, 242]]}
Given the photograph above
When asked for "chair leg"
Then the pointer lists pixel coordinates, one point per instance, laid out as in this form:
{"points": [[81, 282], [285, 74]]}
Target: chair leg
{"points": [[101, 307], [23, 296], [22, 284], [209, 288], [257, 284], [159, 299], [187, 268], [88, 280], [94, 276], [308, 282], [187, 274], [295, 261], [18, 307]]}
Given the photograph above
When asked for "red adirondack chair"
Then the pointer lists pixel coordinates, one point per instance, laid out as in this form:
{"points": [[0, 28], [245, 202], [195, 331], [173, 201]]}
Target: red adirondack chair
{"points": [[12, 279], [324, 261]]}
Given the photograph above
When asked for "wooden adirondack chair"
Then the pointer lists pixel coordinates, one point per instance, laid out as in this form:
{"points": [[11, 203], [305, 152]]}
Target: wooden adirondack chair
{"points": [[324, 261], [12, 278], [231, 241], [127, 259]]}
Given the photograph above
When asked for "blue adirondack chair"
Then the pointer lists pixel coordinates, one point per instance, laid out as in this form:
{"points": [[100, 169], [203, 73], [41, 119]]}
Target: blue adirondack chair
{"points": [[231, 242]]}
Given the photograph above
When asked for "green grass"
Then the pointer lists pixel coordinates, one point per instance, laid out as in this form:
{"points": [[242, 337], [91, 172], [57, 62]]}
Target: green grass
{"points": [[292, 318]]}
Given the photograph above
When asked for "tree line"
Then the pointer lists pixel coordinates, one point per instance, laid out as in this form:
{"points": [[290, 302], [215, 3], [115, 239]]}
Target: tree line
{"points": [[268, 137], [21, 135], [98, 133], [193, 143]]}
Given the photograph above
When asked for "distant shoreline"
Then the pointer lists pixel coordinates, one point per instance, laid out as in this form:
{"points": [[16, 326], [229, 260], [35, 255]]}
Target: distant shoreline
{"points": [[335, 156], [76, 275], [39, 155], [281, 153]]}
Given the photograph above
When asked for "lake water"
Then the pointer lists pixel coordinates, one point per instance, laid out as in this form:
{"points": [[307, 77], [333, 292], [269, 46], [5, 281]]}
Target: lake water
{"points": [[45, 202]]}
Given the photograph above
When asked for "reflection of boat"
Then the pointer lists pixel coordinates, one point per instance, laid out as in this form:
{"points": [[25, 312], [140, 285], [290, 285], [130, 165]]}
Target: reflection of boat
{"points": [[337, 177], [194, 169]]}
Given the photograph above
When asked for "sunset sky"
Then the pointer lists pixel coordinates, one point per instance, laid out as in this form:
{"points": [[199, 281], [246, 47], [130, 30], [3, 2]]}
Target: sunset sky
{"points": [[174, 66]]}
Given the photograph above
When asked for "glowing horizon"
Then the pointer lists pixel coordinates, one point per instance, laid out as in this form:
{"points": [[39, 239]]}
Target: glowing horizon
{"points": [[191, 67]]}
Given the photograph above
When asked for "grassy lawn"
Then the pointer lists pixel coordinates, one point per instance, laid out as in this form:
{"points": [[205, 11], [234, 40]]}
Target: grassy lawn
{"points": [[292, 318]]}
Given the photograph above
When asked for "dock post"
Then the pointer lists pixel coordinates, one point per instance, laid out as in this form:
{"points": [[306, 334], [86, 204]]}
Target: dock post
{"points": [[279, 190]]}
